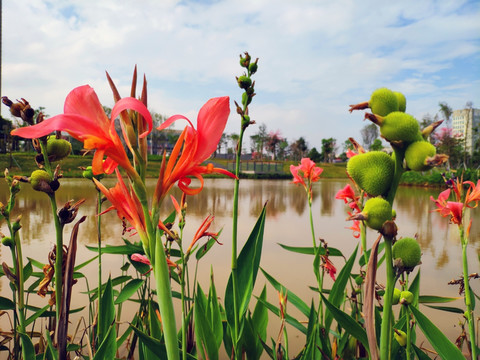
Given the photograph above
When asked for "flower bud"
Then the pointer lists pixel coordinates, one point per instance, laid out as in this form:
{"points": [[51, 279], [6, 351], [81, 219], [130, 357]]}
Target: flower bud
{"points": [[8, 241], [253, 67], [396, 296], [88, 173], [400, 336], [16, 224]]}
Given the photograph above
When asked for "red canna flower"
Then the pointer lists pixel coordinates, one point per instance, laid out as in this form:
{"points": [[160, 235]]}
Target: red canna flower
{"points": [[473, 194], [126, 203], [305, 174], [448, 208], [144, 260], [193, 147], [85, 120], [202, 232], [351, 153], [329, 267], [355, 227]]}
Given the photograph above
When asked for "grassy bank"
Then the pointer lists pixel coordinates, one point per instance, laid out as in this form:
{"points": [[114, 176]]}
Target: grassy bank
{"points": [[24, 164]]}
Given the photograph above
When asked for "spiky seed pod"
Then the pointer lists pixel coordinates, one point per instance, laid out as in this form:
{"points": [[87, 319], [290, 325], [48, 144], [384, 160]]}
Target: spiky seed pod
{"points": [[396, 296], [417, 154], [407, 253], [372, 171], [377, 210], [58, 149], [383, 101], [406, 297], [40, 181], [397, 126], [402, 101]]}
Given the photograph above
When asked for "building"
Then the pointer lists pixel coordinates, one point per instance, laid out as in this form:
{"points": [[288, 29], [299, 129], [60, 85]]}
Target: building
{"points": [[466, 123]]}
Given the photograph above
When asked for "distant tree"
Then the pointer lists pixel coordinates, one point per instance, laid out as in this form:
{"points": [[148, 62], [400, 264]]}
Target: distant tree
{"points": [[314, 155], [377, 145], [259, 139], [328, 149], [298, 149], [347, 145], [221, 143], [369, 134], [273, 139], [449, 144], [283, 149], [446, 111]]}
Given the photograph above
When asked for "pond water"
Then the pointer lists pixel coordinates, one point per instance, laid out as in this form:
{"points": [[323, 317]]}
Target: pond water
{"points": [[287, 223]]}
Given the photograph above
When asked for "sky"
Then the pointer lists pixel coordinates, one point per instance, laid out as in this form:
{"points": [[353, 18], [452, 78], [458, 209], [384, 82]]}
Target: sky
{"points": [[315, 57]]}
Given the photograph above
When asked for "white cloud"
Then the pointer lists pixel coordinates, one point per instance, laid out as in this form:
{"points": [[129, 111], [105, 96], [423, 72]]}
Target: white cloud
{"points": [[316, 58]]}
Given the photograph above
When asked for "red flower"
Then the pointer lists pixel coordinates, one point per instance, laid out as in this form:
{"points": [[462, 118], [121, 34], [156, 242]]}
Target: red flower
{"points": [[126, 202], [448, 208], [329, 267], [351, 153], [85, 120], [193, 147], [355, 227], [306, 173], [144, 260], [202, 232], [473, 194]]}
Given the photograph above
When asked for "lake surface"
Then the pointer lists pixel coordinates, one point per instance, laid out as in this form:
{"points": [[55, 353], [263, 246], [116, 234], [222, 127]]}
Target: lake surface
{"points": [[287, 223]]}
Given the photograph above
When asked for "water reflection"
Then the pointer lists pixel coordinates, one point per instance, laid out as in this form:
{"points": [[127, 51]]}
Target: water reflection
{"points": [[287, 223]]}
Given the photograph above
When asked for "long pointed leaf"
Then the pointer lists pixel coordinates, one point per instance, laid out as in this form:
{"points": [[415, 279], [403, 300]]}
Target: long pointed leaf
{"points": [[444, 347]]}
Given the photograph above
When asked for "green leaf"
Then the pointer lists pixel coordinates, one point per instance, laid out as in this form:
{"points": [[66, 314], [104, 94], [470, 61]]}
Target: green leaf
{"points": [[337, 294], [255, 328], [311, 251], [361, 260], [443, 346], [27, 271], [247, 268], [203, 250], [155, 346], [206, 341], [447, 308], [288, 318], [50, 348], [348, 323], [6, 304], [422, 299], [128, 290], [214, 312], [108, 347], [38, 313], [27, 346], [85, 263], [128, 249], [108, 311], [292, 298]]}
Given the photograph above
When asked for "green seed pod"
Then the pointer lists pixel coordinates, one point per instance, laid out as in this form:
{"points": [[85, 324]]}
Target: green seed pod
{"points": [[8, 241], [408, 251], [406, 297], [400, 336], [88, 173], [58, 149], [41, 180], [383, 101], [416, 154], [244, 82], [359, 280], [402, 101], [398, 126], [396, 296], [377, 210], [253, 68], [372, 171]]}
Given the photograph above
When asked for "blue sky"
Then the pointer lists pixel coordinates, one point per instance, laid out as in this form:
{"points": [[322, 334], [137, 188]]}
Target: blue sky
{"points": [[316, 57]]}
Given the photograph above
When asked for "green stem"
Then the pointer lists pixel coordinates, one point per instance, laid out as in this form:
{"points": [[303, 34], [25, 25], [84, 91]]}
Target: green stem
{"points": [[386, 328], [236, 329], [468, 294], [316, 271], [409, 336], [164, 296], [363, 235], [99, 242], [182, 289]]}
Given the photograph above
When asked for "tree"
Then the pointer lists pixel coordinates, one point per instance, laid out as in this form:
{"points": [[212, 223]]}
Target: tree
{"points": [[273, 139], [259, 139], [449, 144], [298, 149], [376, 145], [314, 155], [328, 149], [369, 134], [283, 149], [446, 111]]}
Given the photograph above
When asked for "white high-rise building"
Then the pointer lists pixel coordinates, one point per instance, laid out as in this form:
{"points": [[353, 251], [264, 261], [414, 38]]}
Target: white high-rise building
{"points": [[466, 123]]}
